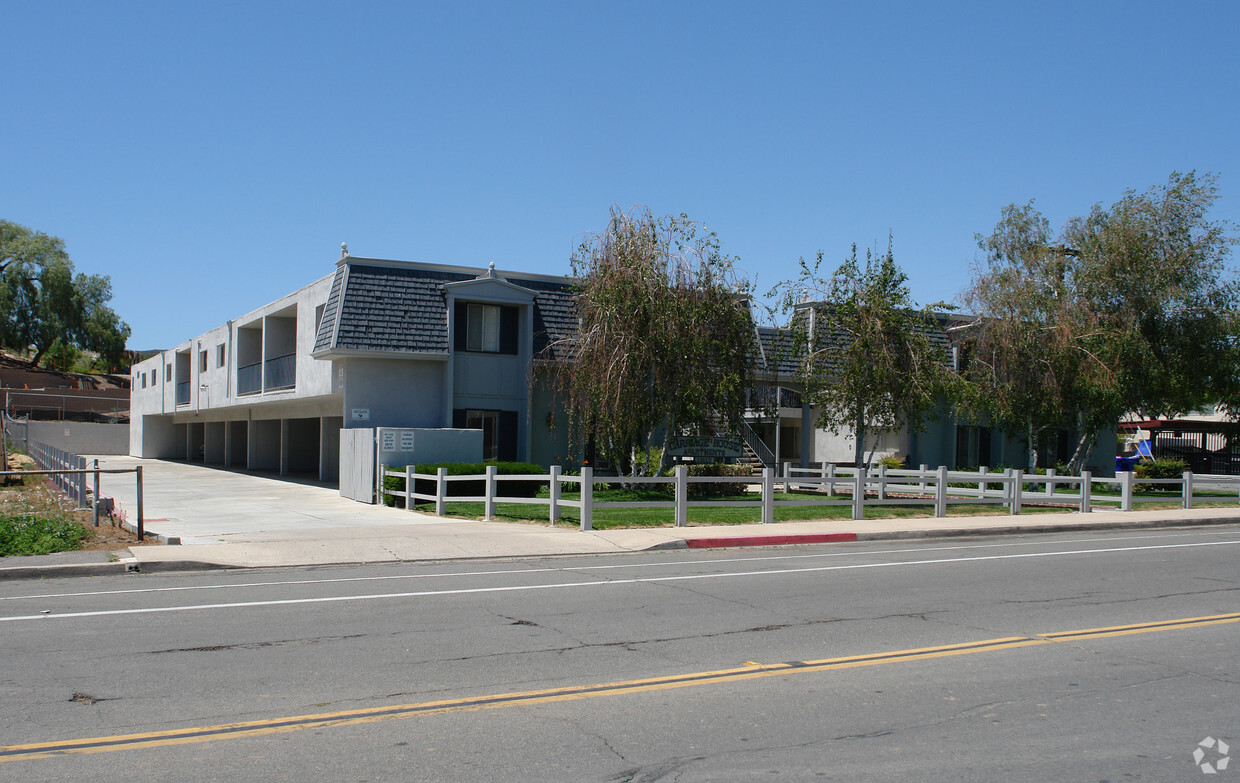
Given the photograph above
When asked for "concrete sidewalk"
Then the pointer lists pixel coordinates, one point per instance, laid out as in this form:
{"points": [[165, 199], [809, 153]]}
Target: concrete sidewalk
{"points": [[233, 519]]}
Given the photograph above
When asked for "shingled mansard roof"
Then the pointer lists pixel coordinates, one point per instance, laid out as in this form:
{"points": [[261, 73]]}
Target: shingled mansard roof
{"points": [[392, 307]]}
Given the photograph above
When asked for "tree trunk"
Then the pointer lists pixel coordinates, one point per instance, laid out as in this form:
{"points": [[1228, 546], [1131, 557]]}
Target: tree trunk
{"points": [[1086, 438], [1031, 448], [859, 450]]}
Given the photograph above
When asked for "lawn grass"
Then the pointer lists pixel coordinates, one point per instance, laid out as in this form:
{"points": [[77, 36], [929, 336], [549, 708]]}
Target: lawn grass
{"points": [[612, 518]]}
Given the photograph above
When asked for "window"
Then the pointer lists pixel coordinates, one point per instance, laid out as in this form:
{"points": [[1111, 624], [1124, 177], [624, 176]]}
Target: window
{"points": [[488, 422], [219, 355], [154, 377], [143, 380], [972, 447], [483, 328], [499, 431], [202, 361], [168, 373], [486, 328]]}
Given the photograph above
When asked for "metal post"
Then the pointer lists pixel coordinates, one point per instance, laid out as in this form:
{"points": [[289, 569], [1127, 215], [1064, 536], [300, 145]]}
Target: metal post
{"points": [[1087, 481], [587, 498], [409, 485], [858, 498], [488, 504], [1125, 490], [940, 493], [141, 525], [554, 515], [1018, 480], [682, 495], [1187, 489], [768, 496], [441, 492], [96, 495]]}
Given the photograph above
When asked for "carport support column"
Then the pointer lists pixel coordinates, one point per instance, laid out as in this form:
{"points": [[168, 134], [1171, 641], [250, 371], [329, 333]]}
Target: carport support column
{"points": [[284, 447], [806, 431]]}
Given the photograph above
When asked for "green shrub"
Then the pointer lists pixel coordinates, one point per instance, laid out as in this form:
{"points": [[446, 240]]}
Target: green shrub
{"points": [[892, 462], [1161, 468], [511, 489], [723, 488], [39, 534]]}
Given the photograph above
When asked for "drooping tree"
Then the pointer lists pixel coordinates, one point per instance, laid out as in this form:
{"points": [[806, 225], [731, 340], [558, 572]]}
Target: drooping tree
{"points": [[666, 343], [870, 360], [1132, 308]]}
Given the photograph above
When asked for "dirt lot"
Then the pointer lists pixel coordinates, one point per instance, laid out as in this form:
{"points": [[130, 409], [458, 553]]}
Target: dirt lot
{"points": [[36, 492]]}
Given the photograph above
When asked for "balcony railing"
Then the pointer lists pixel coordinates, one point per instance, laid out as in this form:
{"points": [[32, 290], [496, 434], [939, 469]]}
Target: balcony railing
{"points": [[250, 378], [183, 393], [280, 372]]}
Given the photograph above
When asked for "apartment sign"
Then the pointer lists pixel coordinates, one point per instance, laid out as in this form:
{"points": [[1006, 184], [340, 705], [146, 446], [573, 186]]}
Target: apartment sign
{"points": [[703, 446]]}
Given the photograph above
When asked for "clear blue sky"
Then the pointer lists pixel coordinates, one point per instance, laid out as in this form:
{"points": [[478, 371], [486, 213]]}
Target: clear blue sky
{"points": [[211, 157]]}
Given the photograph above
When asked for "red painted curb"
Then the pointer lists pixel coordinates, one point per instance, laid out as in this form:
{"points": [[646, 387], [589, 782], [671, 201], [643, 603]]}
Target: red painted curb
{"points": [[808, 538]]}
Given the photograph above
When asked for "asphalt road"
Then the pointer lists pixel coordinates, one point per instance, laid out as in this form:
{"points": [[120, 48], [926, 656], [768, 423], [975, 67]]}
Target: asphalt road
{"points": [[1093, 657]]}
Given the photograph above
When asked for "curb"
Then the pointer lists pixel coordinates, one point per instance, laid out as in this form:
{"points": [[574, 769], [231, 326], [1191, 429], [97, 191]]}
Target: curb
{"points": [[126, 565]]}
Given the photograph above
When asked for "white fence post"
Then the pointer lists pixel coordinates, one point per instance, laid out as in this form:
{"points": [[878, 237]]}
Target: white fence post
{"points": [[1125, 490], [940, 493], [828, 472], [587, 497], [1087, 481], [1187, 489], [1018, 480], [924, 470], [787, 477], [554, 514], [882, 481], [858, 498], [981, 485], [441, 492], [682, 495], [488, 503], [1050, 482], [768, 496], [409, 485]]}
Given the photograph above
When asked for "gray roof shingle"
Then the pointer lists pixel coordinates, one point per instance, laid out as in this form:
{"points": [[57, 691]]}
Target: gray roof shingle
{"points": [[403, 309]]}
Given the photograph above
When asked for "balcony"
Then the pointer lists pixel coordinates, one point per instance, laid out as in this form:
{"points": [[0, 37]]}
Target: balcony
{"points": [[183, 393], [280, 372], [250, 378]]}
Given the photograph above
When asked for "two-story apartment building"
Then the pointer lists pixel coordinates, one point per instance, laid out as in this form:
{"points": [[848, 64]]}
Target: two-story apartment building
{"points": [[376, 344]]}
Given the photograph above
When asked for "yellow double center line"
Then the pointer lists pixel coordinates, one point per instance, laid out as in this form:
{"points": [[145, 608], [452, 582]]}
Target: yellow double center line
{"points": [[570, 693]]}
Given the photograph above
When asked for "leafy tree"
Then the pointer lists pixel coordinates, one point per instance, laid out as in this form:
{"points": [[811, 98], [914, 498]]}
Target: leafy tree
{"points": [[42, 302], [666, 343], [1033, 357], [869, 358], [1131, 309]]}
